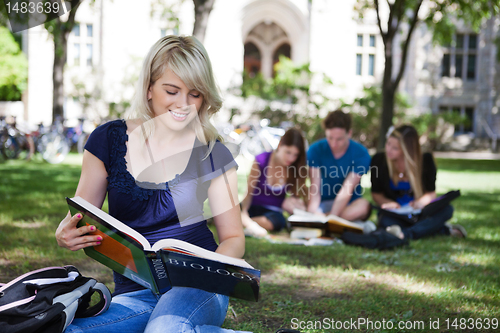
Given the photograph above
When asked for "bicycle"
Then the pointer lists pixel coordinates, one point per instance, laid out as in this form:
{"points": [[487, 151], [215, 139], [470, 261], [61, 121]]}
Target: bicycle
{"points": [[15, 142]]}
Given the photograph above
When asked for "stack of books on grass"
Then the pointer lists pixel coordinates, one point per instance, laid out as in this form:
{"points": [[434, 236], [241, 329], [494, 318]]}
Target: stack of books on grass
{"points": [[330, 223]]}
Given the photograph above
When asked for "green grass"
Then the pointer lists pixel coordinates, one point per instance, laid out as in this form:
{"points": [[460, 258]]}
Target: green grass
{"points": [[433, 278]]}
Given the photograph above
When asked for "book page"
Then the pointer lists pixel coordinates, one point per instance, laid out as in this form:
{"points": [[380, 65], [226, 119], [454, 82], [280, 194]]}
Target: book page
{"points": [[175, 245], [405, 210], [112, 221], [300, 215]]}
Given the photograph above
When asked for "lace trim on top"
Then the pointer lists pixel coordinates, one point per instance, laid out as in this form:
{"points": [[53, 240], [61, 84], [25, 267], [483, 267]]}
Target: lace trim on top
{"points": [[119, 177]]}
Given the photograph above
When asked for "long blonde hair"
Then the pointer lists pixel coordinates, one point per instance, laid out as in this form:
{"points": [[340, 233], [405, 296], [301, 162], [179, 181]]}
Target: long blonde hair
{"points": [[408, 139], [188, 59]]}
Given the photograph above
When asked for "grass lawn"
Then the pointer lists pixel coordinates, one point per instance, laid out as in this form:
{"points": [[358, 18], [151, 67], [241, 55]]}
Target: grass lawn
{"points": [[453, 281]]}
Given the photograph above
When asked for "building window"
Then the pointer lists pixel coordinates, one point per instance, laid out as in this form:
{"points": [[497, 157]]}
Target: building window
{"points": [[76, 53], [89, 54], [372, 40], [460, 58], [359, 63], [467, 113], [371, 64], [360, 40], [76, 30], [89, 30], [163, 32]]}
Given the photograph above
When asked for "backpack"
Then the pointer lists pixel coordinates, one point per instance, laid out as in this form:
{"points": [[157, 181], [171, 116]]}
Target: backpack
{"points": [[47, 300]]}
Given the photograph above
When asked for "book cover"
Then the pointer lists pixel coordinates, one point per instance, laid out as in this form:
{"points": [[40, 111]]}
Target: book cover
{"points": [[169, 262]]}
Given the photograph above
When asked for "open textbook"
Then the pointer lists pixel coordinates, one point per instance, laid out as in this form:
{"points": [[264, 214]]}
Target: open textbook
{"points": [[168, 262], [330, 223], [413, 215]]}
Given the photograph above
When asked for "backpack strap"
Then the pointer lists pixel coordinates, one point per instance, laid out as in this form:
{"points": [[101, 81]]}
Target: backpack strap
{"points": [[101, 306]]}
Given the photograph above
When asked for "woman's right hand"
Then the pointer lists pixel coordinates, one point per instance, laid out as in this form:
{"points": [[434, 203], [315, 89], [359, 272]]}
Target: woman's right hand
{"points": [[73, 238], [390, 205]]}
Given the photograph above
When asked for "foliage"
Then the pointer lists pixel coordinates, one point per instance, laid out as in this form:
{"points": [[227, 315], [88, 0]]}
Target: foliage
{"points": [[167, 12], [289, 96], [434, 128], [365, 111], [401, 17], [13, 68]]}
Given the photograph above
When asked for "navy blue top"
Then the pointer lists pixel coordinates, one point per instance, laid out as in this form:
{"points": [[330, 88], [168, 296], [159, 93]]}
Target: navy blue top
{"points": [[169, 210], [334, 171]]}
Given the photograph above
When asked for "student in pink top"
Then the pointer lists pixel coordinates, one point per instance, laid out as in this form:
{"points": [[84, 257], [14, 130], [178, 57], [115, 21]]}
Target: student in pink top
{"points": [[276, 183]]}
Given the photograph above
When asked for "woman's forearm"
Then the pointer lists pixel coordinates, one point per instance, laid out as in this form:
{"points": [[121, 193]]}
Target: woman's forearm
{"points": [[233, 247]]}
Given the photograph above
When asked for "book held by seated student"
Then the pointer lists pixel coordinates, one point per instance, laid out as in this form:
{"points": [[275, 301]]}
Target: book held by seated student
{"points": [[168, 262], [330, 223], [413, 215]]}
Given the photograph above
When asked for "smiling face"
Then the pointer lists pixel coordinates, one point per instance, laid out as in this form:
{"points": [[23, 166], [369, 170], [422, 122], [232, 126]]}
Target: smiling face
{"points": [[393, 149], [338, 139], [287, 155], [172, 101]]}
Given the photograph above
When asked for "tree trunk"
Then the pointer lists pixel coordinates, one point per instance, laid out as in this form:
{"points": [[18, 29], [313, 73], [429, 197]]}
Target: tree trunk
{"points": [[202, 9], [60, 52], [60, 32], [388, 94]]}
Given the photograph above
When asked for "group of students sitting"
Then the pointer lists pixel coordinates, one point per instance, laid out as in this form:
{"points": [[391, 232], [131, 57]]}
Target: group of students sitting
{"points": [[401, 176]]}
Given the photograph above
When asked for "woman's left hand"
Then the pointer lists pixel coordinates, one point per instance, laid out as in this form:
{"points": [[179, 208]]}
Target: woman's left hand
{"points": [[416, 204]]}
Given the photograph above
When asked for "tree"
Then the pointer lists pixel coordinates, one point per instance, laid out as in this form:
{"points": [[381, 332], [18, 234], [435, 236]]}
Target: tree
{"points": [[60, 31], [13, 68], [202, 9], [402, 19]]}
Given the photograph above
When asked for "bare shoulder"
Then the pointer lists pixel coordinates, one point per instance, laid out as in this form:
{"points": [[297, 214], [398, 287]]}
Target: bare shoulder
{"points": [[132, 124]]}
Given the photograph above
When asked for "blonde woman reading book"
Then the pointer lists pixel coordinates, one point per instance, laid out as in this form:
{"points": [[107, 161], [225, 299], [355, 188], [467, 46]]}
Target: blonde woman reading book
{"points": [[404, 176], [157, 168]]}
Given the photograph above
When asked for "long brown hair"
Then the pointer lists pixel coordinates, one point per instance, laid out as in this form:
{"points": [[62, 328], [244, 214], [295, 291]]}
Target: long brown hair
{"points": [[408, 139], [297, 171]]}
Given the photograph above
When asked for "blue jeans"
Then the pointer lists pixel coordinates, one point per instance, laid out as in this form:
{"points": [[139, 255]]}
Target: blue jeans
{"points": [[429, 226], [178, 310]]}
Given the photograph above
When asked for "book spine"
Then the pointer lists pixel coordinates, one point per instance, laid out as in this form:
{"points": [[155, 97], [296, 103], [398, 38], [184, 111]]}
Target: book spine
{"points": [[159, 272]]}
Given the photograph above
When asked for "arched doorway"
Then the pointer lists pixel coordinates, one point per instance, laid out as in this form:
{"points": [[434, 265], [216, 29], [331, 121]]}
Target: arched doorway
{"points": [[252, 59], [283, 50], [269, 24], [268, 38]]}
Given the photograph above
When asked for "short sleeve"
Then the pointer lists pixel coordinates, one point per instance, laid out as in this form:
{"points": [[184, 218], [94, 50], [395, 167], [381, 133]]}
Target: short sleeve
{"points": [[217, 163], [377, 166], [98, 143], [313, 155], [429, 172], [361, 160]]}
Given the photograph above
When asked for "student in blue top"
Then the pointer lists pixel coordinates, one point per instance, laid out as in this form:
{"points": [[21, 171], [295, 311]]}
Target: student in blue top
{"points": [[336, 165], [157, 169]]}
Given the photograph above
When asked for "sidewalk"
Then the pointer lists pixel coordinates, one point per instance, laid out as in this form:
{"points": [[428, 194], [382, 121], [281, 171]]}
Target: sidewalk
{"points": [[467, 155]]}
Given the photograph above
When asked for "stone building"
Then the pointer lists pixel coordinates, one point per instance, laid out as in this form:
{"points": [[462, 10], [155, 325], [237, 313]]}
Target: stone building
{"points": [[112, 37]]}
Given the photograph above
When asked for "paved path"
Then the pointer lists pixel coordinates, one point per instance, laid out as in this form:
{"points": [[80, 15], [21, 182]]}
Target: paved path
{"points": [[467, 155]]}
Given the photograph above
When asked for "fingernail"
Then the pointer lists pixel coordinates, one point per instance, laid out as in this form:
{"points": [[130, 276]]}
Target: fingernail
{"points": [[92, 228], [79, 215], [99, 238], [98, 243]]}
